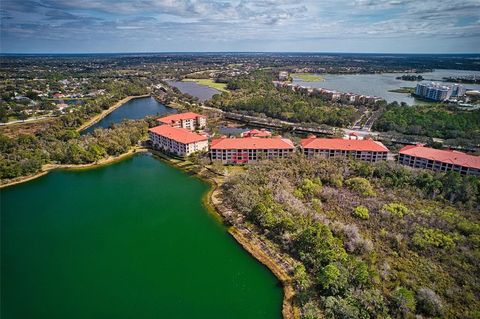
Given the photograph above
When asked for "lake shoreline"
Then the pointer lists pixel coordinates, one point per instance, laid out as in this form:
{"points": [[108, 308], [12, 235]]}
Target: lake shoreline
{"points": [[249, 240], [112, 108], [50, 167], [254, 245]]}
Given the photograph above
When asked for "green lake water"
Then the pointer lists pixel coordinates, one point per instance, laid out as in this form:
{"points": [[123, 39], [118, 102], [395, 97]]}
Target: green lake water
{"points": [[129, 240]]}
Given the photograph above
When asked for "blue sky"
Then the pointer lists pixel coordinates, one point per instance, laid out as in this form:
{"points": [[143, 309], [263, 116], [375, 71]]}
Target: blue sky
{"points": [[396, 26]]}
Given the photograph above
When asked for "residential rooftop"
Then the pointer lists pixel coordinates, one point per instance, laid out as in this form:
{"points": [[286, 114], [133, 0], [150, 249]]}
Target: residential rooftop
{"points": [[343, 144], [445, 156], [256, 143], [178, 134], [178, 117]]}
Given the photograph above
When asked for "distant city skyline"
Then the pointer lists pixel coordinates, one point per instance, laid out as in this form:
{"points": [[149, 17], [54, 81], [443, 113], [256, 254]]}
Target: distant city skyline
{"points": [[363, 26]]}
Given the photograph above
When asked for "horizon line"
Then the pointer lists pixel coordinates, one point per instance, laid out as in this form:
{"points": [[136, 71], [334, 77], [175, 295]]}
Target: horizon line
{"points": [[238, 52]]}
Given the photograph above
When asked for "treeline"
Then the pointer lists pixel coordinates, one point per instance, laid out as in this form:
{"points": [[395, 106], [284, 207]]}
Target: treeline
{"points": [[371, 240], [431, 121], [59, 142], [255, 94], [117, 89], [25, 154]]}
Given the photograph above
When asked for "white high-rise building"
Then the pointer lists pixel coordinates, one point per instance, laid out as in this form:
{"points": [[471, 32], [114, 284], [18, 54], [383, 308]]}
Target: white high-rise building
{"points": [[437, 92]]}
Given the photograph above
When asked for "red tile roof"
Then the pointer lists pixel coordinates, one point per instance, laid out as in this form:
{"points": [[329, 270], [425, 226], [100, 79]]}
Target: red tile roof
{"points": [[255, 143], [180, 116], [343, 144], [177, 134], [445, 156], [256, 133]]}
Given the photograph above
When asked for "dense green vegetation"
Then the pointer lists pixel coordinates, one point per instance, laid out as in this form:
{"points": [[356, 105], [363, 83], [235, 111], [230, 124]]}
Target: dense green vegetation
{"points": [[255, 94], [12, 109], [370, 240], [59, 142], [433, 121], [25, 154]]}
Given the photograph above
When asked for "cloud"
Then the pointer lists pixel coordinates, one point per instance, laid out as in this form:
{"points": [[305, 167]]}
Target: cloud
{"points": [[60, 15], [239, 21]]}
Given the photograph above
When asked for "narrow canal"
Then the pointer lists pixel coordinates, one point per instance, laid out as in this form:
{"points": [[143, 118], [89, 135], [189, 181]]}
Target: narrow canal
{"points": [[132, 110]]}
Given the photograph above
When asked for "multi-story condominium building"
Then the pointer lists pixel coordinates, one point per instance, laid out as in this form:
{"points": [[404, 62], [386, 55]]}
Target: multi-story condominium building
{"points": [[420, 156], [189, 120], [249, 149], [458, 90], [177, 141], [433, 91], [437, 92], [366, 150]]}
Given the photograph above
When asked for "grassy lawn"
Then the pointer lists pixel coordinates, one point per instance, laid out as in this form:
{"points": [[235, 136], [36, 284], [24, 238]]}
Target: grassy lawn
{"points": [[210, 83], [403, 89], [308, 77]]}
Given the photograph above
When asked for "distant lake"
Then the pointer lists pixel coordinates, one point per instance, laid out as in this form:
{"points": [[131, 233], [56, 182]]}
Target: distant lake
{"points": [[132, 110], [380, 84], [202, 92]]}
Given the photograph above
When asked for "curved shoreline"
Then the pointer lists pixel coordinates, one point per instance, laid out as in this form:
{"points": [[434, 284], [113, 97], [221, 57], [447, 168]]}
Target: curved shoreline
{"points": [[248, 240], [50, 167], [253, 245], [112, 108]]}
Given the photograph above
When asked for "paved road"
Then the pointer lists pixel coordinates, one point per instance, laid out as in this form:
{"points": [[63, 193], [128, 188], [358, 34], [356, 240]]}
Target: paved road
{"points": [[33, 119], [359, 131]]}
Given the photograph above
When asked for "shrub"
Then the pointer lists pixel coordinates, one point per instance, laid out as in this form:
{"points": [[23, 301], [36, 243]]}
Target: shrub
{"points": [[468, 228], [361, 274], [328, 276], [335, 180], [425, 237], [396, 209], [316, 245], [353, 240], [429, 303], [312, 311], [311, 188], [345, 308], [361, 212], [360, 185], [403, 301], [316, 205]]}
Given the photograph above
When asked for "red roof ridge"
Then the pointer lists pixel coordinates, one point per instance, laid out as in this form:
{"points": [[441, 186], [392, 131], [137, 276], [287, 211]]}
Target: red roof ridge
{"points": [[179, 116], [343, 144], [447, 156], [178, 134], [251, 143]]}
